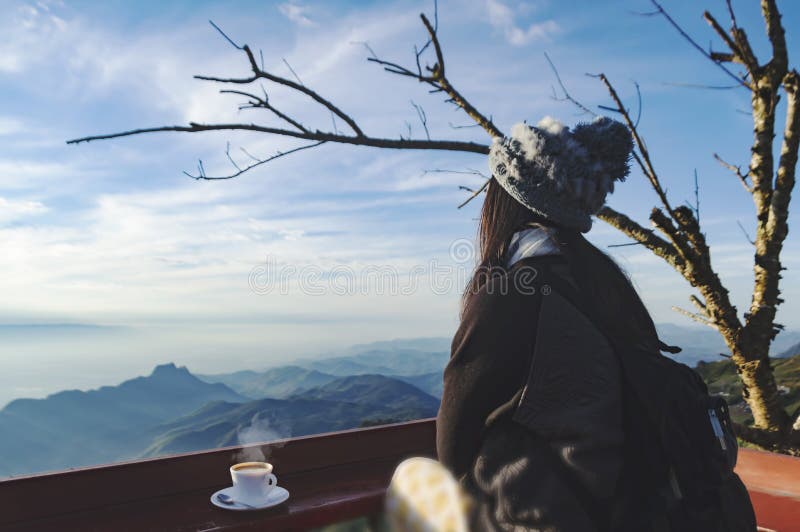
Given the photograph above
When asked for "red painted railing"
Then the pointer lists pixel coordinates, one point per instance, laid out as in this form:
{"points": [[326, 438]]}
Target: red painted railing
{"points": [[773, 481], [331, 477]]}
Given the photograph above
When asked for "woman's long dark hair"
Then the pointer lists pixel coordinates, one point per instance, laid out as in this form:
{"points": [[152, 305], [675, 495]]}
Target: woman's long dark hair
{"points": [[599, 278]]}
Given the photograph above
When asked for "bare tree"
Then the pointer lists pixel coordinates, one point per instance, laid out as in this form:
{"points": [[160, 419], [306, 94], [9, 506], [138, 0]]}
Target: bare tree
{"points": [[676, 235]]}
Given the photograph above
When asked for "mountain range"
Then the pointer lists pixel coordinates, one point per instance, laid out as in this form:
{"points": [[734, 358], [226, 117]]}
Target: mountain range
{"points": [[172, 410], [342, 403], [74, 428], [422, 369]]}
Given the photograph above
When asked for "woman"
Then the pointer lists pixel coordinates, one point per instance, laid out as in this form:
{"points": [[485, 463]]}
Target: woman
{"points": [[530, 429], [530, 422]]}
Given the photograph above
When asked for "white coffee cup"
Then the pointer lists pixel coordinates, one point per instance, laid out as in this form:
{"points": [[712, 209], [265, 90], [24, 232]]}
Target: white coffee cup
{"points": [[252, 482]]}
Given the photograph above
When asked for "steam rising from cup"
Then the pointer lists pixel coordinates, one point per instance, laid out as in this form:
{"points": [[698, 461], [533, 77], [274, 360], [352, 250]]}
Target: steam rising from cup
{"points": [[260, 430]]}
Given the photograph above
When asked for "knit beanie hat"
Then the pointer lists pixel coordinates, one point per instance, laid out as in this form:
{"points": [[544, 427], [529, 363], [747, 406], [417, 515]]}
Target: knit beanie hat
{"points": [[560, 174]]}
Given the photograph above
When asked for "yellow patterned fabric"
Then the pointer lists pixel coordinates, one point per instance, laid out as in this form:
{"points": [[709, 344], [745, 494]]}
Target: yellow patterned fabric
{"points": [[423, 496]]}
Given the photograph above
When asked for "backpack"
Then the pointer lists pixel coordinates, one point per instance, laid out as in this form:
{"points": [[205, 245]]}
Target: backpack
{"points": [[680, 448]]}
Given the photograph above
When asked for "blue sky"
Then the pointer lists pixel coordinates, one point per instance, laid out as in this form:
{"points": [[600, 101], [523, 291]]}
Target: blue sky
{"points": [[113, 234]]}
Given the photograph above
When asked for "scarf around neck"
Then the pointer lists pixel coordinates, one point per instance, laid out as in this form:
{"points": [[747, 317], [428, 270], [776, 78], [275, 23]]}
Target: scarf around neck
{"points": [[530, 242]]}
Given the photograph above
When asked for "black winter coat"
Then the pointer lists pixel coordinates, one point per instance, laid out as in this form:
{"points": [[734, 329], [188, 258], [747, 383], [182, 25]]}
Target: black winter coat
{"points": [[530, 421]]}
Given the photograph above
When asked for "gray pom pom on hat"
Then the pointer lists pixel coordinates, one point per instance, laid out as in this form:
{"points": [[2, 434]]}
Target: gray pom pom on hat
{"points": [[560, 174]]}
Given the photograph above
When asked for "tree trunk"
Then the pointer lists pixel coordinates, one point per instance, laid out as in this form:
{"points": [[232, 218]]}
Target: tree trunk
{"points": [[761, 393]]}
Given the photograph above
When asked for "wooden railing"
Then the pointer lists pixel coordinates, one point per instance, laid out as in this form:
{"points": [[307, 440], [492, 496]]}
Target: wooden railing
{"points": [[331, 477]]}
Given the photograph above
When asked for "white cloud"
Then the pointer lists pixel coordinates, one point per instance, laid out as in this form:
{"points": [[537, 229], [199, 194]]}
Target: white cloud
{"points": [[143, 242], [10, 125], [29, 30], [296, 13], [503, 17], [12, 210]]}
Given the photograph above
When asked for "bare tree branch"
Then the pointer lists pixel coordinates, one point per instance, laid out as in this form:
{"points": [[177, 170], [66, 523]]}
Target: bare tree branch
{"points": [[777, 37], [737, 44], [468, 171], [201, 175], [737, 170], [644, 236], [258, 73], [699, 48], [435, 77], [744, 231], [644, 161], [259, 102], [696, 206], [678, 238], [699, 318], [413, 144], [228, 154], [567, 96], [423, 118], [476, 193], [285, 62], [700, 86], [699, 305], [786, 441]]}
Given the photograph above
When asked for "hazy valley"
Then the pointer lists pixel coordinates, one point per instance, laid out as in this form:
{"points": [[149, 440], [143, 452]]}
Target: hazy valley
{"points": [[173, 410]]}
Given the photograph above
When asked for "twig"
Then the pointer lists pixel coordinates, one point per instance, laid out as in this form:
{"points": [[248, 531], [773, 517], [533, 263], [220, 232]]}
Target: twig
{"points": [[333, 122], [202, 174], [249, 154], [435, 76], [699, 86], [224, 35], [737, 170], [699, 304], [285, 62], [469, 171], [699, 48], [644, 161], [696, 198], [465, 126], [423, 118], [366, 45], [260, 73], [696, 317], [644, 236], [626, 244], [258, 102], [567, 96], [732, 15], [744, 231], [228, 154], [476, 193]]}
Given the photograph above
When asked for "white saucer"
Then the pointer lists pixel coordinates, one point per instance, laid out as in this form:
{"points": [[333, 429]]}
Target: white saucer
{"points": [[275, 497]]}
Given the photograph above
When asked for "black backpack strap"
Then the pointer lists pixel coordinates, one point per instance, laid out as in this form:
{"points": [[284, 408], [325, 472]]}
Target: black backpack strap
{"points": [[568, 292], [598, 510], [618, 513], [551, 280]]}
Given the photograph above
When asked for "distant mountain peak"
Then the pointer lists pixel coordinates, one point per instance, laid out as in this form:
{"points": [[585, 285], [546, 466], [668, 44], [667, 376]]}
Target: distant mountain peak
{"points": [[168, 370]]}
